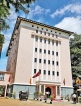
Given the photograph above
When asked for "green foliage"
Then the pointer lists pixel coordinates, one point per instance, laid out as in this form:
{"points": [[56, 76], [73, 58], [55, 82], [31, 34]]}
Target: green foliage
{"points": [[51, 97], [75, 50], [1, 40], [41, 94], [5, 6]]}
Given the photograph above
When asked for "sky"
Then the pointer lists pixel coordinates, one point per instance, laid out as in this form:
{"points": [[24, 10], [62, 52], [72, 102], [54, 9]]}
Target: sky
{"points": [[64, 14]]}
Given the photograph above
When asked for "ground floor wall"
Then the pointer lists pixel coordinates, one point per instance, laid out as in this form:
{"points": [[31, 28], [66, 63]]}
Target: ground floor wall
{"points": [[67, 91], [16, 88]]}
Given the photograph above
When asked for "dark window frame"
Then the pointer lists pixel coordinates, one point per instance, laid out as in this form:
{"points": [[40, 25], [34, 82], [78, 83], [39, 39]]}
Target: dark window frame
{"points": [[48, 72], [34, 71], [35, 49]]}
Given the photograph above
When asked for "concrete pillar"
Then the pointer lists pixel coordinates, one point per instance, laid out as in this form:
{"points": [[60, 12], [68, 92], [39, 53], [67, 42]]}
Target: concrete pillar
{"points": [[39, 88], [44, 89], [5, 91]]}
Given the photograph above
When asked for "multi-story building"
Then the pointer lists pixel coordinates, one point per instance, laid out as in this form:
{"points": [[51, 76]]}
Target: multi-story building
{"points": [[36, 46]]}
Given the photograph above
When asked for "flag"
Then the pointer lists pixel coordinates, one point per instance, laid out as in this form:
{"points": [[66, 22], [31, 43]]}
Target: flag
{"points": [[9, 78], [36, 75], [30, 81], [64, 81], [77, 80]]}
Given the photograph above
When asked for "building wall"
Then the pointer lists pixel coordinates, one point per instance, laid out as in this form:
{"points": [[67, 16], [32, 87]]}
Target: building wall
{"points": [[5, 81], [23, 59]]}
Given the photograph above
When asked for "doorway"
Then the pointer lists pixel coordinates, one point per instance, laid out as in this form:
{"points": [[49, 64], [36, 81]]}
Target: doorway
{"points": [[48, 90]]}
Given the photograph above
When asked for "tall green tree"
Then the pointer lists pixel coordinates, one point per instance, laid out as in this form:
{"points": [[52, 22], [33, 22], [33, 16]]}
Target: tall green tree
{"points": [[5, 6], [75, 50]]}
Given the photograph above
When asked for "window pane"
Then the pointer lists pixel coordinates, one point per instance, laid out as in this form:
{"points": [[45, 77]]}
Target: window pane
{"points": [[44, 71], [48, 72], [57, 73], [34, 70], [36, 31], [58, 90]]}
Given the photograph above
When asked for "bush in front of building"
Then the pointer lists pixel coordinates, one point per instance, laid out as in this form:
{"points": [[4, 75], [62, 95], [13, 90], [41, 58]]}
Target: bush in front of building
{"points": [[36, 95], [51, 98], [41, 95]]}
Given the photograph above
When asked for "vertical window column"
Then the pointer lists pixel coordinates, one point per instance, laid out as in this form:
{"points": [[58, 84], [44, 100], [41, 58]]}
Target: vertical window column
{"points": [[55, 59], [38, 58], [47, 59], [51, 59], [33, 57], [59, 61], [42, 57]]}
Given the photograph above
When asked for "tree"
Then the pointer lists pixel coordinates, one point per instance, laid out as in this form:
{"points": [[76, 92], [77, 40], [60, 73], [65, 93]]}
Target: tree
{"points": [[5, 6], [1, 42], [75, 50]]}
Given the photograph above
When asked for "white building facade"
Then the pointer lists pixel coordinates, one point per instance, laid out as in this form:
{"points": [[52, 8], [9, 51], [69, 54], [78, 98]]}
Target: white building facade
{"points": [[36, 46]]}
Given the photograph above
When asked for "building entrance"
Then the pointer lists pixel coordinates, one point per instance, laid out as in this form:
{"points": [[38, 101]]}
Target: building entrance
{"points": [[48, 90]]}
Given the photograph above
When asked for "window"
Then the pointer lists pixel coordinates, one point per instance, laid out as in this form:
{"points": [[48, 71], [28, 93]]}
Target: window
{"points": [[36, 39], [44, 40], [48, 61], [32, 25], [53, 62], [56, 43], [35, 49], [48, 51], [52, 52], [44, 33], [57, 73], [48, 72], [51, 30], [34, 71], [56, 53], [40, 32], [44, 61], [57, 63], [58, 90], [40, 70], [44, 51], [48, 41], [40, 50], [42, 28], [40, 39], [56, 36], [35, 59], [44, 71], [52, 35], [52, 72], [52, 43], [36, 31], [55, 32], [48, 34], [60, 33], [46, 29], [39, 60], [1, 77], [37, 27]]}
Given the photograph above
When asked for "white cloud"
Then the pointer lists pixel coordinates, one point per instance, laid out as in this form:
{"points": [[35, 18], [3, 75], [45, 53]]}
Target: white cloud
{"points": [[13, 15], [37, 11], [71, 23], [73, 8]]}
